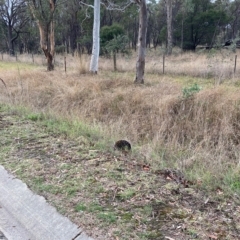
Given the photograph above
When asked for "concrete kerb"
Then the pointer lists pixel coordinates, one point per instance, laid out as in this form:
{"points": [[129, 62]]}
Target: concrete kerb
{"points": [[25, 215]]}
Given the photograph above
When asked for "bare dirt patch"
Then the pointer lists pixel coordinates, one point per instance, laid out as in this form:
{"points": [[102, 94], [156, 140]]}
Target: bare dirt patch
{"points": [[112, 196]]}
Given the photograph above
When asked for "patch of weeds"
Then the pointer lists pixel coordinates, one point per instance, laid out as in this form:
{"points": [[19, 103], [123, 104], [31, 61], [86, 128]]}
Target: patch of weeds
{"points": [[127, 194], [115, 175], [38, 184], [4, 107], [38, 180], [92, 154], [13, 66], [95, 207], [55, 126], [4, 149], [100, 189], [72, 191], [89, 181], [232, 180], [70, 186], [80, 207], [103, 214], [35, 117], [108, 217], [153, 235], [192, 233], [60, 209], [235, 186], [147, 210], [66, 166], [190, 91], [127, 216], [49, 188], [73, 129]]}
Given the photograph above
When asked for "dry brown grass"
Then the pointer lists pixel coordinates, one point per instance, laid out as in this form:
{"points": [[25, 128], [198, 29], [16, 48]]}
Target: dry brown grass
{"points": [[199, 133]]}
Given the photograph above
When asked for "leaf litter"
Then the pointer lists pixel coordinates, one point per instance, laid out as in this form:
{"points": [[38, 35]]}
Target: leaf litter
{"points": [[111, 195]]}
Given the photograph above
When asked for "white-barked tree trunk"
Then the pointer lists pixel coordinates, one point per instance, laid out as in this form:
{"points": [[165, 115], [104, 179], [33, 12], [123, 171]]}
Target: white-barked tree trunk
{"points": [[169, 27], [96, 38]]}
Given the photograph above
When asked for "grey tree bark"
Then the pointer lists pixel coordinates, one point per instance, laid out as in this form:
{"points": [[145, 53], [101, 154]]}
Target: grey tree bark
{"points": [[169, 26], [96, 38], [140, 65]]}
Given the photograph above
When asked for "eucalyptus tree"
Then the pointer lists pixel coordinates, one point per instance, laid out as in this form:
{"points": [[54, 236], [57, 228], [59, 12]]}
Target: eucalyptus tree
{"points": [[234, 23], [121, 6], [167, 17], [203, 24], [187, 7], [169, 26], [13, 14], [68, 26], [142, 33], [129, 19], [113, 41], [96, 38], [109, 5], [154, 27], [43, 12]]}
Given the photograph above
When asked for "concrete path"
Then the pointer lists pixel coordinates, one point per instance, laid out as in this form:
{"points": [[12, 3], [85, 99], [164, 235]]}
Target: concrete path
{"points": [[27, 216], [2, 237]]}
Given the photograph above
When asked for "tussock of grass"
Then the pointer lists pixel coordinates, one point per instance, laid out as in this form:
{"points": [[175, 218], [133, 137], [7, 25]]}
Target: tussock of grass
{"points": [[83, 64]]}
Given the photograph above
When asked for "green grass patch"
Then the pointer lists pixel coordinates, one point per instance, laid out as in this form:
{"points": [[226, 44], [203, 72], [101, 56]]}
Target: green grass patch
{"points": [[108, 217], [17, 66], [232, 180], [95, 207], [35, 117], [127, 194], [191, 90], [80, 207]]}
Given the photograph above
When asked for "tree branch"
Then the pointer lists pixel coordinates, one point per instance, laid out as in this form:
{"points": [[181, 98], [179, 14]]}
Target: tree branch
{"points": [[85, 4], [115, 7]]}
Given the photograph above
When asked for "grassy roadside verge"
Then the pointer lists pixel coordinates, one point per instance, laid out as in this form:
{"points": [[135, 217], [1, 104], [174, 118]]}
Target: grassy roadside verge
{"points": [[111, 196]]}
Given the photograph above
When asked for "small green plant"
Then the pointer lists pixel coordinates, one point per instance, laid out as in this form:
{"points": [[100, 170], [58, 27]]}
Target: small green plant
{"points": [[95, 207], [72, 191], [127, 194], [35, 117], [232, 180], [190, 91], [108, 217], [80, 207]]}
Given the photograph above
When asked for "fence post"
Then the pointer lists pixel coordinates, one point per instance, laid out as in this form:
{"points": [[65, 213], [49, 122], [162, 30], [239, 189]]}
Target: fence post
{"points": [[65, 63], [163, 63], [32, 57], [235, 64]]}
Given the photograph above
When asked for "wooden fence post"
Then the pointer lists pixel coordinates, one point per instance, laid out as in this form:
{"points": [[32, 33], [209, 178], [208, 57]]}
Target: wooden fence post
{"points": [[235, 64], [163, 63], [65, 63]]}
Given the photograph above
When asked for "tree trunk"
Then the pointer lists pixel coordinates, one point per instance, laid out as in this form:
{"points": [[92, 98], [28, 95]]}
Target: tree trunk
{"points": [[169, 26], [46, 30], [96, 38], [45, 46], [182, 35], [140, 65], [10, 43]]}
